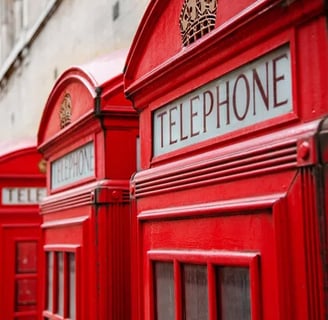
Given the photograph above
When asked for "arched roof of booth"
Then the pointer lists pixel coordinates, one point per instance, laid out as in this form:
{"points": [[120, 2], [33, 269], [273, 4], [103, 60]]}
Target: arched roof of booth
{"points": [[82, 83], [94, 73], [20, 158], [159, 60], [156, 40], [11, 147], [103, 68]]}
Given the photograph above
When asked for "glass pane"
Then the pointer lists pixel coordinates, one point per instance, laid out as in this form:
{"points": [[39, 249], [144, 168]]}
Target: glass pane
{"points": [[195, 292], [72, 284], [50, 271], [25, 294], [235, 293], [164, 290], [26, 257], [60, 273]]}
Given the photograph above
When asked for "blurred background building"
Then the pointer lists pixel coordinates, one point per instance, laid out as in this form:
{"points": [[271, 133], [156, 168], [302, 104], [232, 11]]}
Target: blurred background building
{"points": [[39, 39]]}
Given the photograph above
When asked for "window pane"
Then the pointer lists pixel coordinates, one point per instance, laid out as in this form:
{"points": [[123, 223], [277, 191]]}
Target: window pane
{"points": [[25, 294], [26, 257], [72, 282], [164, 288], [234, 293], [195, 292], [50, 265], [60, 293]]}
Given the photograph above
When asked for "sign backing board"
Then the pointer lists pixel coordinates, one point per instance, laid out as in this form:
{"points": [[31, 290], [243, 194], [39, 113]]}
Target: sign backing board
{"points": [[256, 92], [73, 166], [22, 195]]}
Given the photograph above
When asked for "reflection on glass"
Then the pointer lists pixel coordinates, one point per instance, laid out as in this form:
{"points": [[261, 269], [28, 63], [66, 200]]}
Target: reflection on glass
{"points": [[60, 294], [50, 264], [195, 292], [234, 293], [164, 286], [72, 281]]}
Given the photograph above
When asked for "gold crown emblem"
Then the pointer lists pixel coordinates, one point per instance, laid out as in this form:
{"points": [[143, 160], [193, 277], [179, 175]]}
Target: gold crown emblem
{"points": [[42, 165], [65, 112], [197, 18]]}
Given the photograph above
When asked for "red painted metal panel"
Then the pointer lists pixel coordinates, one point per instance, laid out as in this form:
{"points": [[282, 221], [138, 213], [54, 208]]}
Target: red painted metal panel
{"points": [[22, 186], [103, 75], [257, 188], [20, 275], [90, 160]]}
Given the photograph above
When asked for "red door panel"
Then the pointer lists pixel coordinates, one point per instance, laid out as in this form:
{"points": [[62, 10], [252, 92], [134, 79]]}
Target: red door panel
{"points": [[20, 276]]}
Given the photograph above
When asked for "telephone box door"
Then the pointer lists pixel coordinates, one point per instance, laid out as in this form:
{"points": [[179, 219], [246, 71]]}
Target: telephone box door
{"points": [[20, 261]]}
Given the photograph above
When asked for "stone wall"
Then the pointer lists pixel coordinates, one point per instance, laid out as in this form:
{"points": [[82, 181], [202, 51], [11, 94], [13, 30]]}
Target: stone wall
{"points": [[71, 32]]}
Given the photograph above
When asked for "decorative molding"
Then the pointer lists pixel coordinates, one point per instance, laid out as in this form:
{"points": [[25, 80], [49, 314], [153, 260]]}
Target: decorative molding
{"points": [[64, 222], [314, 246], [218, 208], [117, 192], [197, 18], [261, 155], [243, 164], [71, 201], [42, 165], [65, 111]]}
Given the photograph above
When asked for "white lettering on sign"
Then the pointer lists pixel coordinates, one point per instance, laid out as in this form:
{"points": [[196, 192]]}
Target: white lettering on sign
{"points": [[253, 93], [22, 195], [74, 166]]}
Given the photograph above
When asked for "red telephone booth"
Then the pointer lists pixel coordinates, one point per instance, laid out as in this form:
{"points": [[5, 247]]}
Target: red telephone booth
{"points": [[230, 202], [88, 136], [22, 186]]}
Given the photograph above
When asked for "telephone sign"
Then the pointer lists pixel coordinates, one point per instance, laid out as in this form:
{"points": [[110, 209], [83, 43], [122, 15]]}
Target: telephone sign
{"points": [[256, 92]]}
